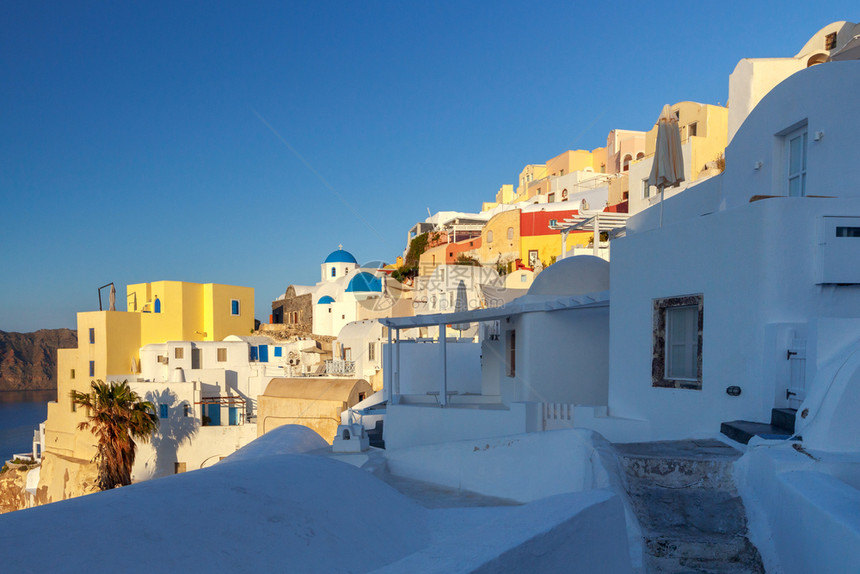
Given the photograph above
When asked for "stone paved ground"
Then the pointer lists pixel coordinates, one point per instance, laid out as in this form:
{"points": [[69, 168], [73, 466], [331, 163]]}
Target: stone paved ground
{"points": [[691, 515]]}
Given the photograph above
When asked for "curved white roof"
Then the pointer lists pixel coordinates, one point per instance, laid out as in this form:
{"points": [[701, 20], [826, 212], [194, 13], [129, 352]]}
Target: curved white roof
{"points": [[573, 276]]}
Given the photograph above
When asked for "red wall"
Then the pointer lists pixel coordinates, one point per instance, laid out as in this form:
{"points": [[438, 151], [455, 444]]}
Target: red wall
{"points": [[537, 222]]}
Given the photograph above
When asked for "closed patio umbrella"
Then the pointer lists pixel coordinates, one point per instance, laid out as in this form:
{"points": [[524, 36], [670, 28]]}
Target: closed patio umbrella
{"points": [[112, 297], [461, 303], [668, 167]]}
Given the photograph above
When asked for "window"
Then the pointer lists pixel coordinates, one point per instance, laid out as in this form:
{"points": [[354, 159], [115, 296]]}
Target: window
{"points": [[490, 236], [73, 405], [186, 410], [72, 374], [840, 232], [796, 149], [830, 41], [222, 354], [640, 155], [234, 307], [646, 189], [627, 159], [333, 272], [561, 172], [178, 353], [179, 467], [550, 198], [253, 353], [510, 233], [371, 351], [162, 411], [92, 368], [693, 129], [677, 342], [279, 351], [603, 168], [511, 354], [523, 278], [92, 336], [553, 222]]}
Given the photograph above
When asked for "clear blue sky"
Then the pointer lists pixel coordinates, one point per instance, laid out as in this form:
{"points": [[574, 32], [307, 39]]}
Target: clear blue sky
{"points": [[137, 140]]}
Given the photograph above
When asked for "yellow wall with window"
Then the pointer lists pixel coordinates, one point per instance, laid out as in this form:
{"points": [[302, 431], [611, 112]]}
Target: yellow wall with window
{"points": [[189, 311], [549, 246], [505, 246], [706, 127]]}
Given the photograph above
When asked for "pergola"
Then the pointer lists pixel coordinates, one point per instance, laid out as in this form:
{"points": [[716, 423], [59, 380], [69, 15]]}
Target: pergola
{"points": [[598, 220], [526, 304]]}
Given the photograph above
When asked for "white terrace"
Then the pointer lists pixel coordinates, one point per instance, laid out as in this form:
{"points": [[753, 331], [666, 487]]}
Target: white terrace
{"points": [[540, 355]]}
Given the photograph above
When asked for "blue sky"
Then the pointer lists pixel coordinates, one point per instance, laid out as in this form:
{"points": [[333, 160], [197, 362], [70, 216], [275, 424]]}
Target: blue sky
{"points": [[241, 144]]}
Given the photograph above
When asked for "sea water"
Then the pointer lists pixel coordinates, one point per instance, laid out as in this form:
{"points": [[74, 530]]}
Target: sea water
{"points": [[21, 412]]}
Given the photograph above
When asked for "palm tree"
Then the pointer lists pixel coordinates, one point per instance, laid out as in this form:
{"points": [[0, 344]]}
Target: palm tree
{"points": [[117, 416]]}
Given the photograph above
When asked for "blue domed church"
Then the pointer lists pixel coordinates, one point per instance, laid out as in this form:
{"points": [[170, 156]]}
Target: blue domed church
{"points": [[324, 308]]}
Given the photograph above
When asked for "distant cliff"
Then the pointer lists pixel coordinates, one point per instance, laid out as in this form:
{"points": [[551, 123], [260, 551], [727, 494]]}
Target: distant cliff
{"points": [[28, 361]]}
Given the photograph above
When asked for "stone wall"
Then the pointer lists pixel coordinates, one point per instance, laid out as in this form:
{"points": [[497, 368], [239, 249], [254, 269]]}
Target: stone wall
{"points": [[283, 311]]}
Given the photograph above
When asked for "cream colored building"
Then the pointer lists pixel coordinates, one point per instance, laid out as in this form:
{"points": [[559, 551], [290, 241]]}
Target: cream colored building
{"points": [[704, 133], [312, 402]]}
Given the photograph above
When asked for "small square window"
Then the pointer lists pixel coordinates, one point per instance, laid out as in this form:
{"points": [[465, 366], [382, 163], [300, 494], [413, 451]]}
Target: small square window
{"points": [[178, 353], [830, 41], [92, 335], [162, 411], [279, 351], [222, 354], [693, 129], [234, 307]]}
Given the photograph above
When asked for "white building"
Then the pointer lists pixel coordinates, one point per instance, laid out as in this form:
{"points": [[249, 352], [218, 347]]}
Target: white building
{"points": [[753, 78], [750, 267], [205, 394], [540, 355]]}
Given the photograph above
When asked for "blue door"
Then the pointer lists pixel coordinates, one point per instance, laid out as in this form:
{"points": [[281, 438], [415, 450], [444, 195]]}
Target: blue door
{"points": [[234, 415], [264, 353], [214, 415]]}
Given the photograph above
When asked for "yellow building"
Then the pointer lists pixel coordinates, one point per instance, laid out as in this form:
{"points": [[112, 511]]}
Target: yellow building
{"points": [[500, 239], [704, 127], [108, 346]]}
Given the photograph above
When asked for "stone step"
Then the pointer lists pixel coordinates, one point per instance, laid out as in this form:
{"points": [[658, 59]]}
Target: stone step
{"points": [[784, 418], [725, 549], [743, 431], [690, 513]]}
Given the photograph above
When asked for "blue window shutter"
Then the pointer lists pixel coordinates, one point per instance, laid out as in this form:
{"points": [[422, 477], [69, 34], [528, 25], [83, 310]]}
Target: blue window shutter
{"points": [[264, 353], [235, 307], [162, 411], [92, 368], [253, 353], [279, 351]]}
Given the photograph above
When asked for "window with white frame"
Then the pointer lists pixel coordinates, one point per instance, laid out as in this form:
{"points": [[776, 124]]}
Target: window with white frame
{"points": [[795, 147], [646, 189], [677, 342], [234, 307]]}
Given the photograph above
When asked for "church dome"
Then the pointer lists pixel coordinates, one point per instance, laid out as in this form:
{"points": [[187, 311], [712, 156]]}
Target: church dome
{"points": [[340, 256], [364, 283], [325, 300]]}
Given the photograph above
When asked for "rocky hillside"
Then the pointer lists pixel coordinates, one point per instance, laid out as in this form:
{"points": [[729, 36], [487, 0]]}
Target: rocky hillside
{"points": [[28, 361]]}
